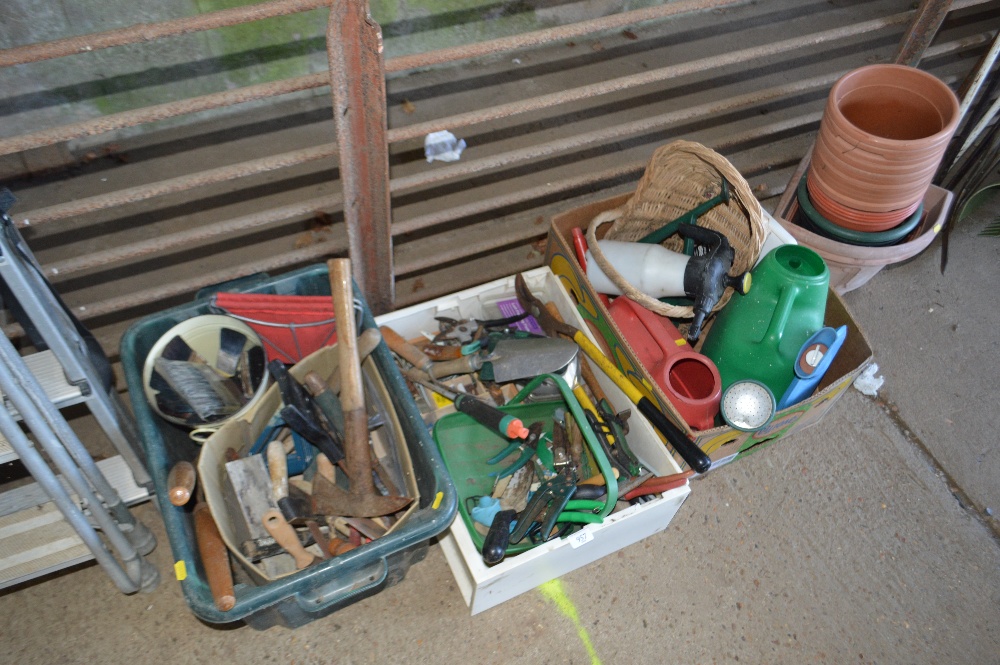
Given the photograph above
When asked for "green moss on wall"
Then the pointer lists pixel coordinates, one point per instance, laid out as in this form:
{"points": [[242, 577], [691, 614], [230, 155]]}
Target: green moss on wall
{"points": [[267, 50]]}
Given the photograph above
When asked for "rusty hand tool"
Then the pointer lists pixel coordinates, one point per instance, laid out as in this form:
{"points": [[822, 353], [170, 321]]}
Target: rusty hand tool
{"points": [[408, 352], [659, 485], [363, 500], [214, 557], [462, 364], [180, 483], [694, 456], [321, 540]]}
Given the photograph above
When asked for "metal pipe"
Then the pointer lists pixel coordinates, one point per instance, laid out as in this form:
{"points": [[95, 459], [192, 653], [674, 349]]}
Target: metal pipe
{"points": [[970, 87], [244, 223], [147, 32], [180, 287], [357, 84], [322, 249], [620, 172], [610, 134], [493, 47], [231, 97], [41, 216], [645, 78]]}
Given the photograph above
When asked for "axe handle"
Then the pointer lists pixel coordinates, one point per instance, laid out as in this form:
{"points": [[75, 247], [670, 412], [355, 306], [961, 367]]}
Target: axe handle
{"points": [[352, 391]]}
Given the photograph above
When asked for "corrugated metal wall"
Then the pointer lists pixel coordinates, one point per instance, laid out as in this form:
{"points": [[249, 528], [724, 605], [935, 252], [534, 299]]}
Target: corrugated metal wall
{"points": [[558, 119]]}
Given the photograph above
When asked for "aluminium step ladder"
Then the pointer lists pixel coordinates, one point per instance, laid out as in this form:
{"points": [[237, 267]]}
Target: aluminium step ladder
{"points": [[78, 514]]}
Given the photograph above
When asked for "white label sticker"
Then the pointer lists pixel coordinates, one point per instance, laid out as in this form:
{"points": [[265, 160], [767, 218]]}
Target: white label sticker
{"points": [[581, 537]]}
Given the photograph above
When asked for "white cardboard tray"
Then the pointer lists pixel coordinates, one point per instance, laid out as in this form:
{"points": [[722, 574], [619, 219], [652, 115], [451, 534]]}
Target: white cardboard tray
{"points": [[485, 586]]}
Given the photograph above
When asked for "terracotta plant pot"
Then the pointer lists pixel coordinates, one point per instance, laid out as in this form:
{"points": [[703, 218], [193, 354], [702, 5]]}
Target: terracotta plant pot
{"points": [[852, 218], [883, 134]]}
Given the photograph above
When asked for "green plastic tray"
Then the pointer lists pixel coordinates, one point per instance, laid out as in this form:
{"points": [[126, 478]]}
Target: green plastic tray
{"points": [[465, 445]]}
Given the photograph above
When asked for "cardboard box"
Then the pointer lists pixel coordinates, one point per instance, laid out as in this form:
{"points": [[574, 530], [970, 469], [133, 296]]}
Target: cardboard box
{"points": [[722, 444], [484, 586]]}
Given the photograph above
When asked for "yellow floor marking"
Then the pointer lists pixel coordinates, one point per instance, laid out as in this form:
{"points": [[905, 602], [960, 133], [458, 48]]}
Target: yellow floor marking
{"points": [[553, 592]]}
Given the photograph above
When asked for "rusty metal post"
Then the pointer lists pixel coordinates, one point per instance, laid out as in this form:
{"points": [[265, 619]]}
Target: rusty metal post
{"points": [[921, 31], [357, 82]]}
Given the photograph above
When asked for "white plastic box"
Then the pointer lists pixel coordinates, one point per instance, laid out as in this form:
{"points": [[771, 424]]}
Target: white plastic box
{"points": [[484, 586]]}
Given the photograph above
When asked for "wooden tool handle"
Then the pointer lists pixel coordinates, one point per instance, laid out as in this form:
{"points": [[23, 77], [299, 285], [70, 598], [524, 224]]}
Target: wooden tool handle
{"points": [[285, 535], [214, 558], [324, 467], [367, 341], [352, 389], [404, 349], [277, 467], [315, 384], [180, 483]]}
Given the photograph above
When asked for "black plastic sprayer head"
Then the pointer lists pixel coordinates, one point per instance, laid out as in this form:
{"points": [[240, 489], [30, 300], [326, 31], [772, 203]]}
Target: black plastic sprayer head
{"points": [[706, 276]]}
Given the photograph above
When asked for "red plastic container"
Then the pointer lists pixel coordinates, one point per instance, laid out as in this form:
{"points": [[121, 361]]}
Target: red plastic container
{"points": [[689, 379]]}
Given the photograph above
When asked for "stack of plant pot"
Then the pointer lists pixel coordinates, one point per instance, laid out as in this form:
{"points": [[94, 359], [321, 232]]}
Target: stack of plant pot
{"points": [[866, 196]]}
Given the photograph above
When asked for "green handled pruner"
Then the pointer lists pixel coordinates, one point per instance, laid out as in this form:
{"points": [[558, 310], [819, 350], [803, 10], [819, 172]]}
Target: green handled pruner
{"points": [[528, 448]]}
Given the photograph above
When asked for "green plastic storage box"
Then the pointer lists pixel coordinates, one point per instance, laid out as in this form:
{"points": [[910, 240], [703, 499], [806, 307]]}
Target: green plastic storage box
{"points": [[323, 588]]}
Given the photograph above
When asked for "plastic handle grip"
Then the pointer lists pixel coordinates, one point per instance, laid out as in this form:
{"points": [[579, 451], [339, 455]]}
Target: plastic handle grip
{"points": [[692, 454], [491, 417], [495, 544]]}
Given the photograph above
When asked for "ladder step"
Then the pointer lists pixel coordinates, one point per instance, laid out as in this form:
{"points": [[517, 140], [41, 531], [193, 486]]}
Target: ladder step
{"points": [[60, 392], [36, 540]]}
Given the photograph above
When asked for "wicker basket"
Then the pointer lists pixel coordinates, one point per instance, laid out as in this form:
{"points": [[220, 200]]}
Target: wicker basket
{"points": [[680, 176]]}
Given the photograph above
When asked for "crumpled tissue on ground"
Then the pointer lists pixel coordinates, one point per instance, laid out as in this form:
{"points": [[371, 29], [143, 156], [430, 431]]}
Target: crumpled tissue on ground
{"points": [[867, 382]]}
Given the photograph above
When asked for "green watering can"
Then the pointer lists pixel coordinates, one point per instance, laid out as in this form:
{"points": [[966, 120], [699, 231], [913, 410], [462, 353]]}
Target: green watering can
{"points": [[759, 335]]}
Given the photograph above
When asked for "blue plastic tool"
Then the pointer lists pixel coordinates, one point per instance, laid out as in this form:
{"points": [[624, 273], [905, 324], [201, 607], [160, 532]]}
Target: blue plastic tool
{"points": [[813, 360]]}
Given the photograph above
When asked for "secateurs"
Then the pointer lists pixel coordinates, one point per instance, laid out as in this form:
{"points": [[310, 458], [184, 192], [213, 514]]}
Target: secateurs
{"points": [[528, 449]]}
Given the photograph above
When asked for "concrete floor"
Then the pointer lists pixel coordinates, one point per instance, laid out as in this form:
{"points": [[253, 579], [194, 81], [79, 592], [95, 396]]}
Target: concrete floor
{"points": [[869, 538], [866, 538]]}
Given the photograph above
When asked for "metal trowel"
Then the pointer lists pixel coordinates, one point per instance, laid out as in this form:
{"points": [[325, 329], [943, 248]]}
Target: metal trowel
{"points": [[512, 359], [528, 357]]}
